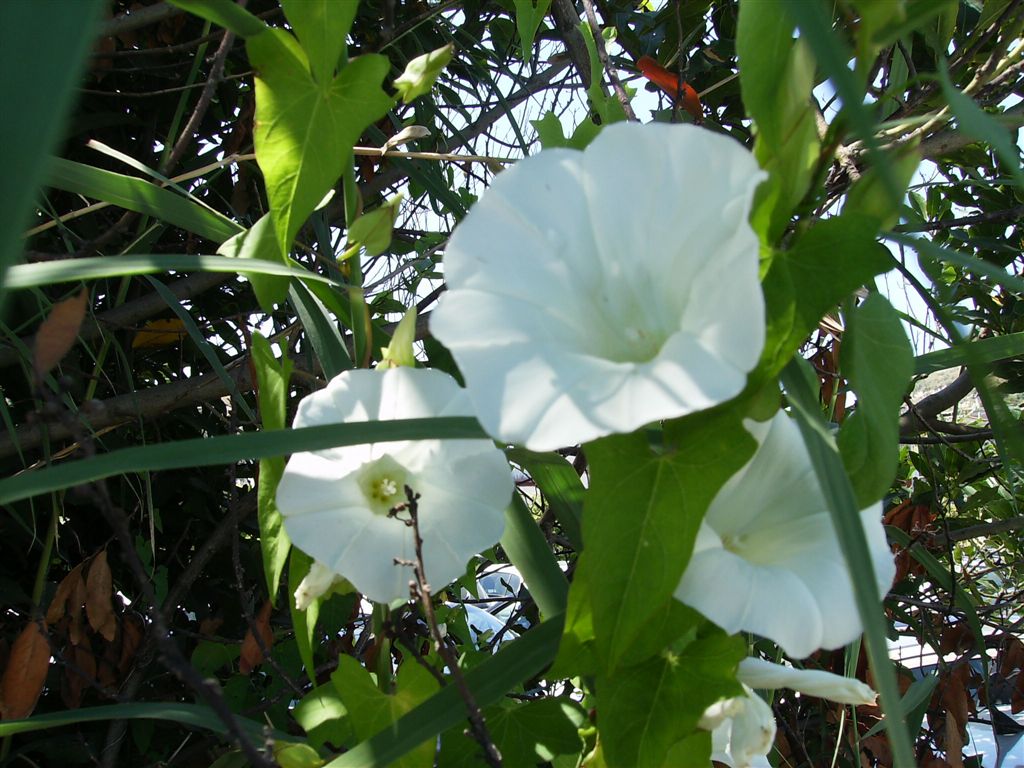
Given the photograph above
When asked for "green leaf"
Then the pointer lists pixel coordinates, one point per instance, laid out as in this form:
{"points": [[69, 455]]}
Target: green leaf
{"points": [[72, 270], [321, 330], [193, 715], [776, 78], [373, 229], [296, 755], [323, 716], [871, 196], [259, 242], [561, 486], [227, 449], [529, 15], [831, 260], [224, 13], [141, 196], [800, 384], [56, 53], [422, 72], [525, 734], [272, 378], [305, 131], [987, 350], [975, 122], [304, 622], [878, 362], [637, 559], [643, 711], [488, 681], [399, 351], [373, 711], [321, 26], [528, 549]]}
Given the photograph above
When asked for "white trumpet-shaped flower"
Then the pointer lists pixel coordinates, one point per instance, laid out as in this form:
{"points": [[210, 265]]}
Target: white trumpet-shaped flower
{"points": [[742, 730], [743, 727], [336, 502], [767, 559], [592, 292]]}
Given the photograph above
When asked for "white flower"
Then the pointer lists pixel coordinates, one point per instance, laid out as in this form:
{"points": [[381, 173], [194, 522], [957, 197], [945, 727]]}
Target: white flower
{"points": [[767, 559], [590, 293], [759, 673], [742, 730], [335, 502]]}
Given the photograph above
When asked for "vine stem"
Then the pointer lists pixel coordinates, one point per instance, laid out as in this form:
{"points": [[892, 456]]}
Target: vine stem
{"points": [[420, 590]]}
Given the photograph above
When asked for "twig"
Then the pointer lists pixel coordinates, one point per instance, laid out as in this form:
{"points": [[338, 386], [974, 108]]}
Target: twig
{"points": [[602, 54], [420, 589]]}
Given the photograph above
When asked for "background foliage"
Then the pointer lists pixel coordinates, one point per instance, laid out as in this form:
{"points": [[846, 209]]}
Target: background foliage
{"points": [[146, 581]]}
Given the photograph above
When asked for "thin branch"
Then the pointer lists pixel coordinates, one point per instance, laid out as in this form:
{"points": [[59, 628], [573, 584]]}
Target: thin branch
{"points": [[602, 54]]}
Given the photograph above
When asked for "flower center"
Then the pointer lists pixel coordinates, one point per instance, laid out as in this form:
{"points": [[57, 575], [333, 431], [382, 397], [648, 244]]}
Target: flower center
{"points": [[382, 482]]}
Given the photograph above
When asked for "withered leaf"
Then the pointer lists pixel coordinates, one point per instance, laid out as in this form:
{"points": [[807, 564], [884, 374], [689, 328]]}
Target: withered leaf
{"points": [[26, 672], [99, 598], [79, 673], [252, 655], [132, 631], [58, 332], [58, 606]]}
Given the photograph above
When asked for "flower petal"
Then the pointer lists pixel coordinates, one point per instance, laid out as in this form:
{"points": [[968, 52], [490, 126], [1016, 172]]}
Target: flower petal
{"points": [[774, 565], [591, 293], [335, 502], [759, 673]]}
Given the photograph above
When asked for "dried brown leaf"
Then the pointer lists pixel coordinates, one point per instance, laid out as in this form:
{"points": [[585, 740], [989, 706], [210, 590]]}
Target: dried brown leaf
{"points": [[58, 332], [58, 606], [99, 598], [26, 672], [133, 630], [251, 655], [79, 673]]}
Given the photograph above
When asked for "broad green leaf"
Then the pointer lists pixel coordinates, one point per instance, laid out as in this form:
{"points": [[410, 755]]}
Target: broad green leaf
{"points": [[305, 130], [525, 733], [323, 717], [800, 384], [321, 330], [224, 13], [141, 196], [228, 449], [692, 752], [776, 77], [871, 196], [489, 681], [831, 260], [975, 122], [260, 242], [529, 15], [529, 551], [638, 558], [321, 26], [644, 710], [372, 711], [296, 755], [551, 135], [72, 270], [421, 73], [878, 362], [833, 56], [987, 350], [272, 378], [55, 53]]}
